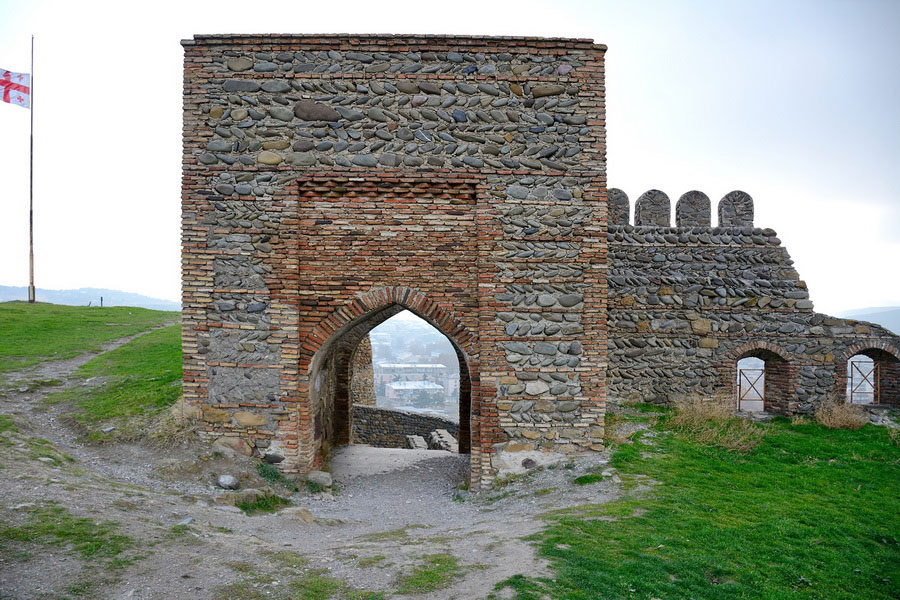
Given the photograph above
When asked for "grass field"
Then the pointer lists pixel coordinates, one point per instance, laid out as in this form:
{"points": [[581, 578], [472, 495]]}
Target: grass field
{"points": [[137, 379], [33, 333], [808, 512]]}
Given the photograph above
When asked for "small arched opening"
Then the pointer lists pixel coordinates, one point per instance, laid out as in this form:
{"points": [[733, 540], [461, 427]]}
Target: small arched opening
{"points": [[762, 379], [872, 376], [335, 382]]}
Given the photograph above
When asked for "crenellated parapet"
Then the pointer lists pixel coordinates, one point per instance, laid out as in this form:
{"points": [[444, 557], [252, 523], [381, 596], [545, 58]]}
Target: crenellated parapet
{"points": [[652, 209], [692, 210]]}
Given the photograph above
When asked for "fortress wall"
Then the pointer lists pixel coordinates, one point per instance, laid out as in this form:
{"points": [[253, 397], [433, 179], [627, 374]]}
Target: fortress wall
{"points": [[685, 303], [329, 180]]}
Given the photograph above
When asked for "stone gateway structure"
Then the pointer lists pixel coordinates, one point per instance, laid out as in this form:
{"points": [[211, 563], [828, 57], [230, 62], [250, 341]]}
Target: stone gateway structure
{"points": [[330, 182]]}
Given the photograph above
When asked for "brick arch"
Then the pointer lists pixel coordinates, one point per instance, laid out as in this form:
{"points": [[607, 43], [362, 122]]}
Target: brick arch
{"points": [[779, 374], [379, 298], [886, 357], [336, 338], [863, 346]]}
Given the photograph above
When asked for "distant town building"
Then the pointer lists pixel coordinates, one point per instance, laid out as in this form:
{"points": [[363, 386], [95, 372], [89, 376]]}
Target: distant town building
{"points": [[437, 373], [422, 394]]}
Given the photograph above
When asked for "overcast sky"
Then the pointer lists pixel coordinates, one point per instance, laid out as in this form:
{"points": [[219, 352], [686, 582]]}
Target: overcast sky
{"points": [[794, 102]]}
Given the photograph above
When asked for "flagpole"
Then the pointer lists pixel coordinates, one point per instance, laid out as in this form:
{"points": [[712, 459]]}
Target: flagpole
{"points": [[31, 297]]}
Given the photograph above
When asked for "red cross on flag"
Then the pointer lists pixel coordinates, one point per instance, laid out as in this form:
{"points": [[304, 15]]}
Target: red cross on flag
{"points": [[16, 88]]}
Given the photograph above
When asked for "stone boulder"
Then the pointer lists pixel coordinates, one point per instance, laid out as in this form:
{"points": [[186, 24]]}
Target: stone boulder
{"points": [[228, 482], [232, 446]]}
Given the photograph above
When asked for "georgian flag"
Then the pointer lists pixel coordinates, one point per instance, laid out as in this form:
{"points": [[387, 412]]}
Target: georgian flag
{"points": [[16, 88]]}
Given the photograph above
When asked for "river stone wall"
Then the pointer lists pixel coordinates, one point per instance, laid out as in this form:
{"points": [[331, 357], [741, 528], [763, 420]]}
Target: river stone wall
{"points": [[328, 178], [687, 302], [388, 427]]}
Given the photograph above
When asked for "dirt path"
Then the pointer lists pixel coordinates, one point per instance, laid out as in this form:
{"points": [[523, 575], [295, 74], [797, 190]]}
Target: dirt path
{"points": [[391, 510], [23, 397]]}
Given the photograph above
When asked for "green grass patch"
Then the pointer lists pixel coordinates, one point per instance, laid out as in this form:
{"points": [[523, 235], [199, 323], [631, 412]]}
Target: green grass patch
{"points": [[391, 535], [240, 566], [264, 504], [806, 513], [242, 590], [55, 526], [488, 499], [275, 477], [588, 479], [292, 583], [436, 572], [11, 435], [287, 558], [178, 531], [315, 585], [7, 424], [139, 379], [646, 407], [504, 480], [33, 333], [37, 384], [371, 561], [41, 448]]}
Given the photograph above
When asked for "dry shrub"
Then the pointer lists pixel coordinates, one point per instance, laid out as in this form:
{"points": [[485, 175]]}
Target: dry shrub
{"points": [[894, 435], [840, 415], [171, 429], [800, 420], [714, 424], [612, 433]]}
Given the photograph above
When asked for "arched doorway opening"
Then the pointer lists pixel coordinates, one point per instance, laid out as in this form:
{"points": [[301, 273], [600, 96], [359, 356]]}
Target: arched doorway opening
{"points": [[762, 381], [872, 377], [406, 364], [331, 377]]}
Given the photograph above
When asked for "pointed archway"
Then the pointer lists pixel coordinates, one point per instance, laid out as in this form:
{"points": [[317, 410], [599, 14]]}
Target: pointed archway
{"points": [[325, 360]]}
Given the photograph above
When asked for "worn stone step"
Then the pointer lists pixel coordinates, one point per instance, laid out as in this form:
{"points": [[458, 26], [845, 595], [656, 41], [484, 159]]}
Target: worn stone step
{"points": [[416, 442]]}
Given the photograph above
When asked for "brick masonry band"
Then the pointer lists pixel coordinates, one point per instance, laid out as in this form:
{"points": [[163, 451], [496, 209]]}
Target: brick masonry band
{"points": [[332, 181]]}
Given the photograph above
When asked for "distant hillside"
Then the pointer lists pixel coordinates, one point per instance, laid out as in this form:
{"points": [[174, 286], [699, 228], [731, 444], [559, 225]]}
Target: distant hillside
{"points": [[886, 316], [85, 296]]}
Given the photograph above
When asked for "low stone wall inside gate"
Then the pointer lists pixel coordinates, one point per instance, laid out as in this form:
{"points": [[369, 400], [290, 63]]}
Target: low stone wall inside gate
{"points": [[388, 427]]}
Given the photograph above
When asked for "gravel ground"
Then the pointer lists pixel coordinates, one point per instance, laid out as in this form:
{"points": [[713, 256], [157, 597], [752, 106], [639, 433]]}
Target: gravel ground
{"points": [[389, 509]]}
